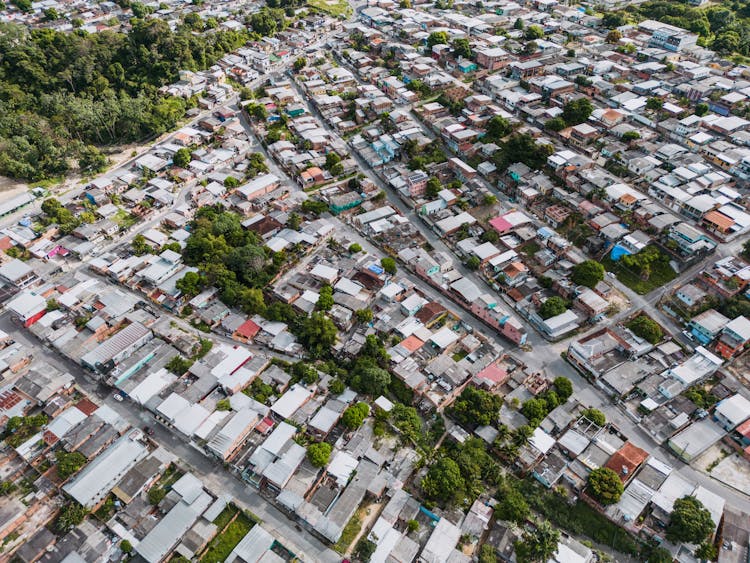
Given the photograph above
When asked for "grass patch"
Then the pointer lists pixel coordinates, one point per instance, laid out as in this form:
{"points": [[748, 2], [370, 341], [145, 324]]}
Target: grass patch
{"points": [[226, 515], [578, 519], [460, 355], [223, 544], [350, 532], [335, 8], [661, 274], [124, 219]]}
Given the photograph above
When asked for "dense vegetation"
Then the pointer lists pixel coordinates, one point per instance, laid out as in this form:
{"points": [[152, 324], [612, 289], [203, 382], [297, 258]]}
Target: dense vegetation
{"points": [[722, 26], [63, 94]]}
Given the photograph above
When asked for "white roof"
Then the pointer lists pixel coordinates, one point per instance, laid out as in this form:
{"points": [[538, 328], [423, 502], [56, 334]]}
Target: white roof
{"points": [[324, 272], [740, 326], [296, 396], [345, 285], [735, 409], [27, 304], [152, 385], [541, 440], [279, 437], [444, 337], [342, 466], [98, 478]]}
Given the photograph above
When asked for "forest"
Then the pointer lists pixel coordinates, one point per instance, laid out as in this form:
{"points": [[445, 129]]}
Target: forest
{"points": [[64, 95], [722, 26]]}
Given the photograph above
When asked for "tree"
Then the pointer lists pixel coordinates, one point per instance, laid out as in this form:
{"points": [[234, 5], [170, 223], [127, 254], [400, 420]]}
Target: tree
{"points": [[534, 410], [437, 38], [389, 265], [412, 526], [369, 378], [317, 333], [462, 48], [443, 481], [654, 104], [487, 553], [433, 187], [91, 160], [563, 388], [325, 298], [538, 545], [614, 36], [126, 546], [646, 328], [511, 505], [299, 64], [473, 263], [178, 365], [707, 552], [555, 124], [530, 48], [605, 485], [191, 284], [68, 463], [408, 421], [498, 127], [318, 453], [355, 415], [223, 405], [533, 32], [69, 517], [354, 248], [595, 415], [701, 109], [139, 246], [518, 24], [23, 5], [336, 387], [364, 316], [577, 111], [552, 307], [631, 136], [364, 549], [690, 521], [476, 407], [588, 273]]}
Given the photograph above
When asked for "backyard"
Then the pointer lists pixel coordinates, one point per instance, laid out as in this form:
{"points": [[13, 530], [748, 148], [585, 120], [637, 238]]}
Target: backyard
{"points": [[643, 272], [335, 8], [230, 535]]}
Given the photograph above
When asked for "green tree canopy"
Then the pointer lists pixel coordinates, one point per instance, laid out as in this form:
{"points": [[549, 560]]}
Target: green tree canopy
{"points": [[552, 307], [318, 453], [588, 273], [355, 415], [389, 265], [605, 485], [646, 328], [563, 388], [534, 32], [443, 481], [689, 522], [476, 407], [537, 545], [596, 416], [437, 38], [577, 111], [181, 158], [317, 334]]}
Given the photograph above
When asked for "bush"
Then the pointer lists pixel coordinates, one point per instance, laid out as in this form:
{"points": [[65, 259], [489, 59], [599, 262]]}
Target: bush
{"points": [[587, 273], [596, 416], [354, 248], [355, 415]]}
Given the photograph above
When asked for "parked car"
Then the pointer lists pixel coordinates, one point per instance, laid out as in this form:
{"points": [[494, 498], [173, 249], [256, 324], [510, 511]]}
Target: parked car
{"points": [[117, 397]]}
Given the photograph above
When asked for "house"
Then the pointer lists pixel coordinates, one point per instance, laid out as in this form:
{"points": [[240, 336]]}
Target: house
{"points": [[626, 461], [732, 412], [734, 337], [17, 273], [707, 325], [690, 295]]}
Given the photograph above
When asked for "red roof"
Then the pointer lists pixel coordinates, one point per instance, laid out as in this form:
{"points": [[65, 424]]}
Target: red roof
{"points": [[500, 224], [412, 343], [248, 329], [494, 373], [744, 429], [8, 400], [626, 460], [86, 406]]}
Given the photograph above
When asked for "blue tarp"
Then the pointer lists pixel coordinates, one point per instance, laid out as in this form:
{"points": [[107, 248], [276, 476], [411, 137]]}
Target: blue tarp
{"points": [[618, 252]]}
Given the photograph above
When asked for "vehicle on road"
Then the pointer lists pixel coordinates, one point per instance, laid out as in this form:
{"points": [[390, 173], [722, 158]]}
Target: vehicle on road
{"points": [[117, 397]]}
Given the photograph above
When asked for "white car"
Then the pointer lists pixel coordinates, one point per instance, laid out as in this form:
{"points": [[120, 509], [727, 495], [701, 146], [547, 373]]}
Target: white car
{"points": [[117, 397]]}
